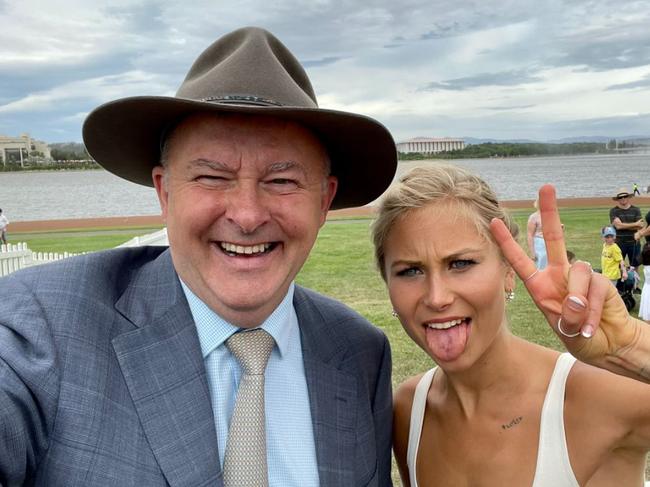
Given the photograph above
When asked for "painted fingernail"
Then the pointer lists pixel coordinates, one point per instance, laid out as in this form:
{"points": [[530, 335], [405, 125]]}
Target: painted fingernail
{"points": [[576, 303], [587, 331]]}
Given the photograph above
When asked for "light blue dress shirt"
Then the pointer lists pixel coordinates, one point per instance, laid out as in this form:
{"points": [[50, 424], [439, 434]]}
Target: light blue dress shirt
{"points": [[291, 452]]}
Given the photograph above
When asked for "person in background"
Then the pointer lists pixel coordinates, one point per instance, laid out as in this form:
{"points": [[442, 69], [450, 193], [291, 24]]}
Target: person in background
{"points": [[635, 190], [611, 259], [535, 238], [204, 364], [499, 410], [4, 222], [626, 219], [645, 231], [644, 305]]}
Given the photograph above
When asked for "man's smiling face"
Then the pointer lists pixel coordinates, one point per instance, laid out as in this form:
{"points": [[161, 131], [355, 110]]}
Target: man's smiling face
{"points": [[243, 198]]}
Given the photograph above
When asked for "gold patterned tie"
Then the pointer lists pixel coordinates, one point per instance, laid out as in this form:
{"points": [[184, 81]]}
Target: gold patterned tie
{"points": [[245, 461]]}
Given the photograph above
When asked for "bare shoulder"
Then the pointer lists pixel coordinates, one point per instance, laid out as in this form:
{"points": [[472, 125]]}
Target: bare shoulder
{"points": [[618, 400], [405, 391], [586, 382], [607, 422]]}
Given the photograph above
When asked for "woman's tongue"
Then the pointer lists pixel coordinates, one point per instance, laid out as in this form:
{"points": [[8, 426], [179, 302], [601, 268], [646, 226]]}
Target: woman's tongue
{"points": [[447, 345]]}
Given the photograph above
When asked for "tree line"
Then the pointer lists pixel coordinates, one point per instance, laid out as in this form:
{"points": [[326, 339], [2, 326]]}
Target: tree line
{"points": [[502, 149]]}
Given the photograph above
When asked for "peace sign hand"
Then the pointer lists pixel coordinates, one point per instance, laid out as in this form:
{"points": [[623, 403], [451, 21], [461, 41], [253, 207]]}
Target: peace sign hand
{"points": [[582, 307]]}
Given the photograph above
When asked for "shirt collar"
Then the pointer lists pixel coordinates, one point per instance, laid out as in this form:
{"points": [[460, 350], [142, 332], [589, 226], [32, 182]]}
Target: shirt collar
{"points": [[213, 330]]}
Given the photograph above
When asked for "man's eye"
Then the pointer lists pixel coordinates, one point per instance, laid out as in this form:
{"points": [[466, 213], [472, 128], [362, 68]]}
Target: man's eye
{"points": [[210, 178], [281, 185], [409, 272], [461, 264]]}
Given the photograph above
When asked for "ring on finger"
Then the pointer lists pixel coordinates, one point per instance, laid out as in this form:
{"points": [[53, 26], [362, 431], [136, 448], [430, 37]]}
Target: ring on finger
{"points": [[532, 275], [562, 332]]}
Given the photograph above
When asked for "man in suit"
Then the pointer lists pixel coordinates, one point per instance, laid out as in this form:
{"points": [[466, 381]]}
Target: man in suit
{"points": [[115, 367]]}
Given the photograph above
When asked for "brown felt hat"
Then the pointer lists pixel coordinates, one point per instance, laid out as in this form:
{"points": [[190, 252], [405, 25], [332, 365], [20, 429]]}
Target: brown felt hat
{"points": [[248, 71]]}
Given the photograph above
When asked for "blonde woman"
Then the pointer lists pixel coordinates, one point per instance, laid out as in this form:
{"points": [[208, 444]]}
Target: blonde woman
{"points": [[498, 410]]}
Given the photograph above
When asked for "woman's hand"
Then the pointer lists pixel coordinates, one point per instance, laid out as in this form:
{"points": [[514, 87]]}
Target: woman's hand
{"points": [[582, 307]]}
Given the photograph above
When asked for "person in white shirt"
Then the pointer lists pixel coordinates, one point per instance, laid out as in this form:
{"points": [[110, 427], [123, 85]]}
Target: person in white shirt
{"points": [[3, 227]]}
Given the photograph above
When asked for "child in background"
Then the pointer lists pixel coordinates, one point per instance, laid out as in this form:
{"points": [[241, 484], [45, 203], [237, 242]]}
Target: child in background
{"points": [[611, 259], [644, 307]]}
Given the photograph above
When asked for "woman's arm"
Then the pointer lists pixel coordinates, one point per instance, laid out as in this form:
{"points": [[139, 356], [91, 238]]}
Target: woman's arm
{"points": [[613, 415], [596, 327]]}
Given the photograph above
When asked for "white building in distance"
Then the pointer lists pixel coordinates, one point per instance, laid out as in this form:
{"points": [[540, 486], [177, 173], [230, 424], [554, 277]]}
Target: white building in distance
{"points": [[18, 148], [430, 145]]}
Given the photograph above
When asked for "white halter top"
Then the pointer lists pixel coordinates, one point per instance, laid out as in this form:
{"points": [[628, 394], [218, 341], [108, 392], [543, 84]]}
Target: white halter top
{"points": [[553, 466]]}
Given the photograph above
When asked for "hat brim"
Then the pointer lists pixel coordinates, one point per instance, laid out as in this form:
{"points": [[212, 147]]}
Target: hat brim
{"points": [[621, 196], [124, 137]]}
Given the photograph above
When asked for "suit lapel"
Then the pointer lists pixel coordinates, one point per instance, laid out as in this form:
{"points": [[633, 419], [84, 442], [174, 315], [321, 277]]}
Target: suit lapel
{"points": [[163, 367], [332, 394]]}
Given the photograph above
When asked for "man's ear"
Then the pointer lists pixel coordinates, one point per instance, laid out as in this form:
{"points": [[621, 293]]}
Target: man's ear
{"points": [[327, 197], [159, 176]]}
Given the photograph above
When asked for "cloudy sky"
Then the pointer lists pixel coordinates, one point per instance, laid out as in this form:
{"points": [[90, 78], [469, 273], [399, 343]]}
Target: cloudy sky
{"points": [[505, 69]]}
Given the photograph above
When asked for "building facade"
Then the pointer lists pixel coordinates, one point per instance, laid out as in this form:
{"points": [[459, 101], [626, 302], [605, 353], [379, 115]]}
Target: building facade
{"points": [[18, 149], [430, 145]]}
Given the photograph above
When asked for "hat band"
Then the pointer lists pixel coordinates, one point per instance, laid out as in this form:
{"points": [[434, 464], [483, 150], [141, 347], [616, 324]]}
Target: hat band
{"points": [[242, 100]]}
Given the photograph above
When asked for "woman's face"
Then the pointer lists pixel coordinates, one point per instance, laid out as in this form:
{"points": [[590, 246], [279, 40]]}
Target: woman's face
{"points": [[447, 283]]}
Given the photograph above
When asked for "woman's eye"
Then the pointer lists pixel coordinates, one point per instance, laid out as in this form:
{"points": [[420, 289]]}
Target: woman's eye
{"points": [[461, 264], [409, 272]]}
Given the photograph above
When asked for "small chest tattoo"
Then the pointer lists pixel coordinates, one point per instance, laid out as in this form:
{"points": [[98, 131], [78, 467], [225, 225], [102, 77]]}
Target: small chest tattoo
{"points": [[512, 423]]}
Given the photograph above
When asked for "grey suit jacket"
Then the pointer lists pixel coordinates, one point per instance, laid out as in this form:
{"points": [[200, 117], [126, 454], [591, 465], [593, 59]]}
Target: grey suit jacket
{"points": [[102, 382]]}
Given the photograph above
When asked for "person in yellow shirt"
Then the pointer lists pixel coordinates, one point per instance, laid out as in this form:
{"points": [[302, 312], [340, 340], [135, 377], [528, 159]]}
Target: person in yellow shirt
{"points": [[611, 259]]}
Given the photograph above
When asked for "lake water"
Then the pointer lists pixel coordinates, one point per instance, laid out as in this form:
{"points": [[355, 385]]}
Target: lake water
{"points": [[86, 194]]}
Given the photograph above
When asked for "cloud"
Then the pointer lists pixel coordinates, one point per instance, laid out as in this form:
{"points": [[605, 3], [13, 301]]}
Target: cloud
{"points": [[507, 108], [92, 91], [641, 83], [499, 68], [316, 63], [505, 78]]}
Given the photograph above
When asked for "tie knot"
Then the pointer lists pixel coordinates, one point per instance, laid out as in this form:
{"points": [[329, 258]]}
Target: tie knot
{"points": [[251, 349]]}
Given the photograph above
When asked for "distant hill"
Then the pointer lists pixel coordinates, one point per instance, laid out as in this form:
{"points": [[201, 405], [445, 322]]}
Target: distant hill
{"points": [[602, 139], [476, 141], [599, 139]]}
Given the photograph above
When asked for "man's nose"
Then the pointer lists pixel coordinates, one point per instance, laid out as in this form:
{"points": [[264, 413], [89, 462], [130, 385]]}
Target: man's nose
{"points": [[247, 207]]}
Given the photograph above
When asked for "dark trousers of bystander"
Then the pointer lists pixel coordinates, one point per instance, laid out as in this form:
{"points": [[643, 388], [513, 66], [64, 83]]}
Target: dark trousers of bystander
{"points": [[631, 250]]}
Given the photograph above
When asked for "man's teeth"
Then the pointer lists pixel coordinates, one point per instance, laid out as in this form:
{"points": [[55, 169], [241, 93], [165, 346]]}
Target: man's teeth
{"points": [[245, 249], [445, 325]]}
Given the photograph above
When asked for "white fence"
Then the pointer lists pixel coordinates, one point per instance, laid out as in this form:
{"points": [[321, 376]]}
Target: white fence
{"points": [[18, 256], [155, 238]]}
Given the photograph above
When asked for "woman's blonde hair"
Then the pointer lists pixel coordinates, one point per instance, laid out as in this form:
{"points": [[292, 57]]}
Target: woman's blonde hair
{"points": [[439, 183]]}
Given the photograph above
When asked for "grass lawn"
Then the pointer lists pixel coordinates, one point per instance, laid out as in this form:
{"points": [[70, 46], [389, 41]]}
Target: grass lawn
{"points": [[78, 241]]}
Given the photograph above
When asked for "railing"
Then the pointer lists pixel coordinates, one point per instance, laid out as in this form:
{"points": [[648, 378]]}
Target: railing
{"points": [[14, 257]]}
